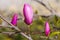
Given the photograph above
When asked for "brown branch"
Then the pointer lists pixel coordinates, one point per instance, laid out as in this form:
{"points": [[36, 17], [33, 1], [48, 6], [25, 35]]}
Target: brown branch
{"points": [[11, 33], [16, 28]]}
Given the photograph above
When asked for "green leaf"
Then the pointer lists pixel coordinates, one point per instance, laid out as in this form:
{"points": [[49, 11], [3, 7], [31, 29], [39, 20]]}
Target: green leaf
{"points": [[54, 33]]}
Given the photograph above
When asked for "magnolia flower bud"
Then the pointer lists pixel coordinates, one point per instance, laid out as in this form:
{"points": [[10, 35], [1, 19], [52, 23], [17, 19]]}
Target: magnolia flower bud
{"points": [[28, 14], [14, 19], [47, 29]]}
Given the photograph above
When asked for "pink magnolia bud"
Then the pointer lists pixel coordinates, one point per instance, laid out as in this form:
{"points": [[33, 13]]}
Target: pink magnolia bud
{"points": [[28, 14], [14, 19], [47, 29]]}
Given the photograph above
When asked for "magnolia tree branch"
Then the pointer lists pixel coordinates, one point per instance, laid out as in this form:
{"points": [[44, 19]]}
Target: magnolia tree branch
{"points": [[11, 33], [15, 27]]}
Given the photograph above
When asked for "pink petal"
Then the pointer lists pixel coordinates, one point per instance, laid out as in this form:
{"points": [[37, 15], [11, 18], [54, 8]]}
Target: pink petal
{"points": [[47, 29], [28, 14]]}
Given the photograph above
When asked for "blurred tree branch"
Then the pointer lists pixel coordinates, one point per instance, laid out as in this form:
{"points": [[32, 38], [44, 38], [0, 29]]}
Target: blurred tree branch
{"points": [[16, 28], [46, 5]]}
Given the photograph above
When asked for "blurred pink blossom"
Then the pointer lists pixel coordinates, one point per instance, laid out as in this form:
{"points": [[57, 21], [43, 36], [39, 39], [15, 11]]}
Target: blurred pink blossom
{"points": [[47, 29], [28, 14], [14, 19]]}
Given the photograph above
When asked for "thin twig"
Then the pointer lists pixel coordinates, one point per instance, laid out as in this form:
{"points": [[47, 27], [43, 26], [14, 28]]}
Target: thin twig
{"points": [[9, 33], [29, 31]]}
